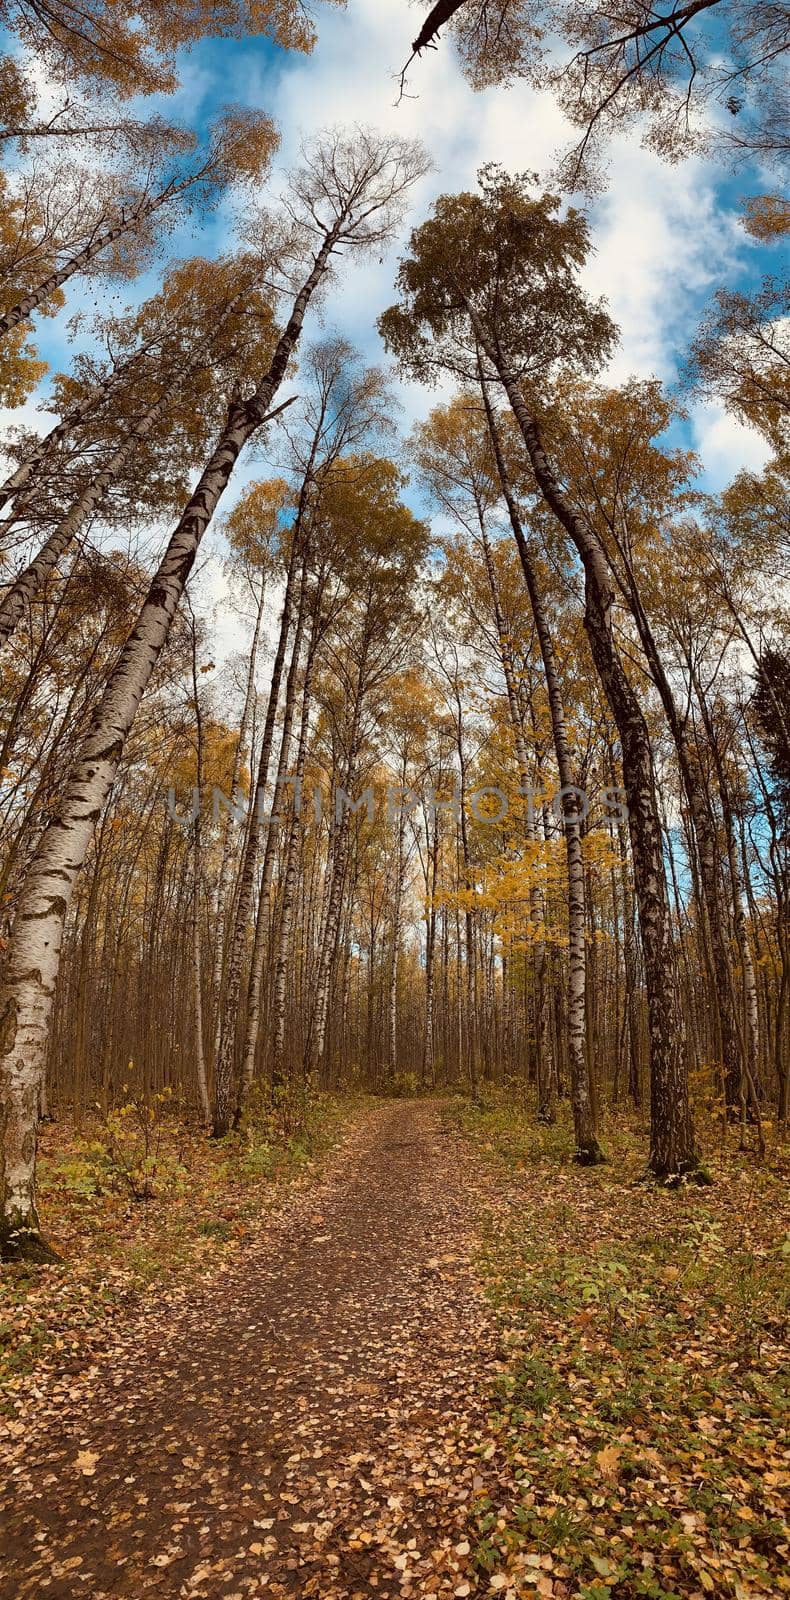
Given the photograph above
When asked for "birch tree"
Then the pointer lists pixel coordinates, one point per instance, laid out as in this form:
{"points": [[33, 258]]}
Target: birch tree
{"points": [[348, 194], [497, 273], [240, 148]]}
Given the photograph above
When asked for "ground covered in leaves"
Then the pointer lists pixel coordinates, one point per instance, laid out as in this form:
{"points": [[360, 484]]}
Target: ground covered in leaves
{"points": [[638, 1446], [135, 1203], [448, 1362], [305, 1422]]}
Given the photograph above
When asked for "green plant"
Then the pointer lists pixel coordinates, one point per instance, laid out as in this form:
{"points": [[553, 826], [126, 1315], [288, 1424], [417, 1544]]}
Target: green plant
{"points": [[129, 1154]]}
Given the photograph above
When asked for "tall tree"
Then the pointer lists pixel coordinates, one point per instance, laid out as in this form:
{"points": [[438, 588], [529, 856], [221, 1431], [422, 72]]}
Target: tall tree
{"points": [[695, 73], [493, 277], [348, 194]]}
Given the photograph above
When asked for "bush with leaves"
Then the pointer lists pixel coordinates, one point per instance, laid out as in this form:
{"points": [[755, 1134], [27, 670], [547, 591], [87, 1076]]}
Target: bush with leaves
{"points": [[129, 1154]]}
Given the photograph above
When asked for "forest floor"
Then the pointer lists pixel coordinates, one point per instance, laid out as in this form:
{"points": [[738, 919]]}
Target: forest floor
{"points": [[448, 1362], [119, 1248]]}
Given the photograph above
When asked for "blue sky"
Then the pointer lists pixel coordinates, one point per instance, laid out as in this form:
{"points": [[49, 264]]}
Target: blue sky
{"points": [[665, 236]]}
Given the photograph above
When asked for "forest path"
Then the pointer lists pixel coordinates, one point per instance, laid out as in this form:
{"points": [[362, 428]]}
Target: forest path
{"points": [[303, 1423]]}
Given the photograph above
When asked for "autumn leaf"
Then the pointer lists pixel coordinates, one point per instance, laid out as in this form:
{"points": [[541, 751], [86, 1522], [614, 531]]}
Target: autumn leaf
{"points": [[608, 1460]]}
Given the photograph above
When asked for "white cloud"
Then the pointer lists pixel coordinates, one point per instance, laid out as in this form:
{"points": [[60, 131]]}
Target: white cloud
{"points": [[661, 246], [725, 445], [661, 241]]}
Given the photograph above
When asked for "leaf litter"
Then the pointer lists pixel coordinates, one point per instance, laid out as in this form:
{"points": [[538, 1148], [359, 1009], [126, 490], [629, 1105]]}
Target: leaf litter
{"points": [[433, 1371], [306, 1422]]}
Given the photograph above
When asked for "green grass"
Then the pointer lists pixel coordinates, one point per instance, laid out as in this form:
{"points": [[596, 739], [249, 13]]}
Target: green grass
{"points": [[637, 1426]]}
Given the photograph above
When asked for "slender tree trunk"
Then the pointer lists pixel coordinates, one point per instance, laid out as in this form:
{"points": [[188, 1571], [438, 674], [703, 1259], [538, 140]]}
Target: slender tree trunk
{"points": [[197, 868], [469, 922], [33, 955], [392, 1009], [428, 1062], [328, 948], [587, 1145], [672, 1142], [127, 220], [630, 965], [259, 946], [290, 867], [227, 837]]}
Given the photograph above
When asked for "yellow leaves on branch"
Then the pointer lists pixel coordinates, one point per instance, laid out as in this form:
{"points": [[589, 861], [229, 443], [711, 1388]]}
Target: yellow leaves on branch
{"points": [[244, 141], [767, 217], [20, 370], [507, 883], [23, 225], [257, 520], [131, 47]]}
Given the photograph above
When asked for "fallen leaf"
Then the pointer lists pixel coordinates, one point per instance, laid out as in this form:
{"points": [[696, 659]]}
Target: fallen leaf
{"points": [[608, 1460]]}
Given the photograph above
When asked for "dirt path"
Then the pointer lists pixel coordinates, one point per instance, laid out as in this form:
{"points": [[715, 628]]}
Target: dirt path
{"points": [[306, 1423]]}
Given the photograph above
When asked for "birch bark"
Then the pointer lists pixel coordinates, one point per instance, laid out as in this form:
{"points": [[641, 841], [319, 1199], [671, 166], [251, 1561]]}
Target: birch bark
{"points": [[672, 1141], [396, 927], [33, 955], [197, 879], [259, 944], [587, 1146], [224, 1095], [290, 868], [127, 219], [226, 858]]}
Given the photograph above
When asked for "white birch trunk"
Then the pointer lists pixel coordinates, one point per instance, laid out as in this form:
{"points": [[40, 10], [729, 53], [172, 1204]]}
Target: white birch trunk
{"points": [[326, 964], [672, 1141], [227, 842], [253, 1018], [197, 868], [396, 927], [587, 1146], [290, 874], [33, 954], [104, 237]]}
